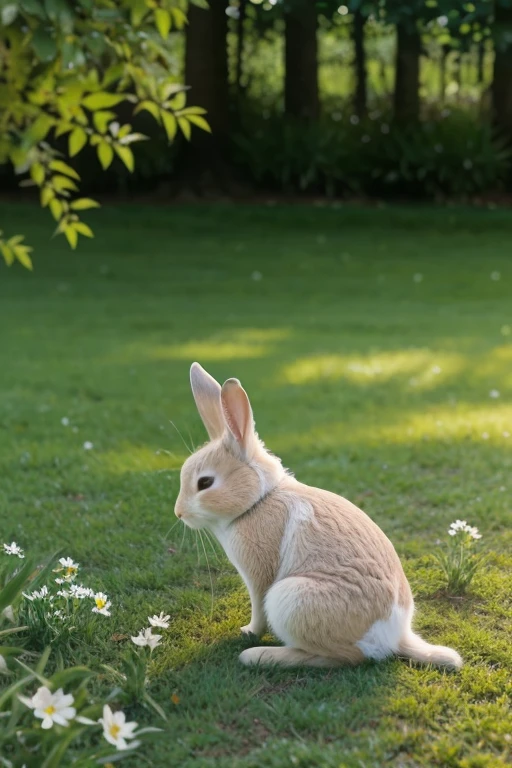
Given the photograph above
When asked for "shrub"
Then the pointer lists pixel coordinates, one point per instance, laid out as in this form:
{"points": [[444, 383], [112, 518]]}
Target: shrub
{"points": [[450, 155]]}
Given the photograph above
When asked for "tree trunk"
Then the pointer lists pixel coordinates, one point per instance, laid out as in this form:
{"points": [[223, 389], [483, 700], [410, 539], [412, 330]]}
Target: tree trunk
{"points": [[206, 63], [301, 75], [502, 80], [442, 74], [203, 161], [407, 74], [480, 76], [240, 39], [360, 98]]}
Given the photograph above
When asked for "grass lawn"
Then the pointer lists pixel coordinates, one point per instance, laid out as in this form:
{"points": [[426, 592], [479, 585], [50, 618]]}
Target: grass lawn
{"points": [[369, 342]]}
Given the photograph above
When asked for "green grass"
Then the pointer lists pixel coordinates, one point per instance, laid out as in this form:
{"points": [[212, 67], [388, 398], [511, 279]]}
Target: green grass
{"points": [[365, 381]]}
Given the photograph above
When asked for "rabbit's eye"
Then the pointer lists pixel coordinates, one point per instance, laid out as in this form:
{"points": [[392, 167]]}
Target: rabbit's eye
{"points": [[204, 482]]}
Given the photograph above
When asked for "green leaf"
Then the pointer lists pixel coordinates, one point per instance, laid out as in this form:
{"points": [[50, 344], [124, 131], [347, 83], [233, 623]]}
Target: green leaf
{"points": [[83, 204], [163, 22], [193, 111], [185, 127], [12, 589], [58, 753], [83, 229], [18, 685], [61, 167], [7, 254], [105, 154], [139, 10], [126, 156], [113, 73], [60, 183], [179, 17], [71, 674], [47, 194], [11, 650], [102, 100], [40, 127], [62, 128], [71, 235], [77, 140], [179, 101], [200, 122], [37, 173], [170, 124], [102, 119], [44, 45], [8, 14], [56, 208], [149, 106], [22, 254]]}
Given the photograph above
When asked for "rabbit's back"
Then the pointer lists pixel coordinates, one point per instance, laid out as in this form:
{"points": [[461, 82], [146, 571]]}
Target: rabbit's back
{"points": [[327, 536]]}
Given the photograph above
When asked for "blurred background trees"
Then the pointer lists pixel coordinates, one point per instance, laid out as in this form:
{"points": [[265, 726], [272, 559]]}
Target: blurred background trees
{"points": [[375, 97]]}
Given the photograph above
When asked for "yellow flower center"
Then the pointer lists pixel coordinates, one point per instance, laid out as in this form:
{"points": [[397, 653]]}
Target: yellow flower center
{"points": [[50, 710], [114, 730], [101, 603], [71, 570]]}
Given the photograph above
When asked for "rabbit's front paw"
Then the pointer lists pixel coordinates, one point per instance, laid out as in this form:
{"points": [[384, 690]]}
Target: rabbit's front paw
{"points": [[252, 629]]}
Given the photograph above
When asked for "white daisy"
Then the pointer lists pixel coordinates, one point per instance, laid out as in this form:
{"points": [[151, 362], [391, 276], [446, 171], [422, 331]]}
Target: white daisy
{"points": [[51, 707], [14, 549], [64, 421], [88, 446], [146, 638], [159, 621], [78, 591], [102, 604], [116, 730], [69, 566], [38, 595]]}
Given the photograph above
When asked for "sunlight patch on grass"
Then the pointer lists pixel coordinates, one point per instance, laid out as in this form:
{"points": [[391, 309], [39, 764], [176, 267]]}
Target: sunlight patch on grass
{"points": [[482, 424], [238, 345], [424, 364], [140, 458]]}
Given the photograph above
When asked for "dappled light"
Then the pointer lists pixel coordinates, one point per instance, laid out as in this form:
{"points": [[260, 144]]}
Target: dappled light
{"points": [[141, 458], [423, 364], [233, 345]]}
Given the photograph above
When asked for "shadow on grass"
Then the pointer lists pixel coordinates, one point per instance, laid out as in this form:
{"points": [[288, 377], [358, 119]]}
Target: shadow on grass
{"points": [[232, 710]]}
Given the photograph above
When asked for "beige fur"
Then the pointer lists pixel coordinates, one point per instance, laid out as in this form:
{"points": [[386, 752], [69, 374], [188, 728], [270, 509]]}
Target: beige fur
{"points": [[320, 573]]}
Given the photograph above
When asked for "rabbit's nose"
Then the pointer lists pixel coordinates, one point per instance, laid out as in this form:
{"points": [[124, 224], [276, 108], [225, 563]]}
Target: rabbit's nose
{"points": [[179, 514]]}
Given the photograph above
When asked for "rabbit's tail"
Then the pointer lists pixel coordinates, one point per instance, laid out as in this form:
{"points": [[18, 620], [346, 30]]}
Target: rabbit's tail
{"points": [[413, 647]]}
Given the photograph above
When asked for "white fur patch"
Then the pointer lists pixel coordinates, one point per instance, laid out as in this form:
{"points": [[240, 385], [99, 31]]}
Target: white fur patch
{"points": [[266, 482], [299, 512], [383, 637]]}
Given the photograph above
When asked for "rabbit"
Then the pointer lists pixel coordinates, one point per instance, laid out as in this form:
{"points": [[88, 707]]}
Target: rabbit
{"points": [[320, 573]]}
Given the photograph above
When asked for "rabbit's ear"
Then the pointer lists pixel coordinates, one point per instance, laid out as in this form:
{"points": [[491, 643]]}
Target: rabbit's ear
{"points": [[206, 393], [238, 415]]}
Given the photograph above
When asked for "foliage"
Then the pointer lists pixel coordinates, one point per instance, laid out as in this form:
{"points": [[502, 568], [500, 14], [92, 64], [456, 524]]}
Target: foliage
{"points": [[458, 560], [58, 610], [134, 678], [25, 742], [76, 71], [450, 155], [25, 738]]}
